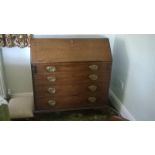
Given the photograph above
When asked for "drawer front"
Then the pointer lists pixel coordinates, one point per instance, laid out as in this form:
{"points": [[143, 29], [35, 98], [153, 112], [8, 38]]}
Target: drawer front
{"points": [[53, 103], [70, 85], [66, 90], [70, 73], [70, 79], [78, 67]]}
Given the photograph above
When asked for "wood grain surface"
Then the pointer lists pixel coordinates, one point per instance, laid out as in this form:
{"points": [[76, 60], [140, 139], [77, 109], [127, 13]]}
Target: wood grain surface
{"points": [[70, 60], [69, 50]]}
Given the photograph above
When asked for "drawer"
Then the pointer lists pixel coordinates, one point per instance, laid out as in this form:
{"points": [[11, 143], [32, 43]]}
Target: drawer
{"points": [[66, 90], [75, 67], [53, 103], [70, 78]]}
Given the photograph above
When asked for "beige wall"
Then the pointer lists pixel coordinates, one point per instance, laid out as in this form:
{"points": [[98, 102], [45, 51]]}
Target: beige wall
{"points": [[17, 69], [133, 74]]}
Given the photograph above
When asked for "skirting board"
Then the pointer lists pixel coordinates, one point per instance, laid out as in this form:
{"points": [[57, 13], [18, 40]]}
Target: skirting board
{"points": [[120, 107], [22, 94]]}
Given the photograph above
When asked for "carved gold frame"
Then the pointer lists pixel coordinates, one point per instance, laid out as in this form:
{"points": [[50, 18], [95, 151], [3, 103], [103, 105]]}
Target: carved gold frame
{"points": [[12, 40]]}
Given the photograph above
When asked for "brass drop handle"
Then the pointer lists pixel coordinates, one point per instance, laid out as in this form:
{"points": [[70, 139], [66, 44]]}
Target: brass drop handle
{"points": [[51, 68], [92, 99], [52, 102], [93, 67], [93, 77], [51, 78], [51, 90], [92, 88]]}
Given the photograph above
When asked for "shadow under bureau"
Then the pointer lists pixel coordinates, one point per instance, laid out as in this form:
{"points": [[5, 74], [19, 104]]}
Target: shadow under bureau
{"points": [[70, 74]]}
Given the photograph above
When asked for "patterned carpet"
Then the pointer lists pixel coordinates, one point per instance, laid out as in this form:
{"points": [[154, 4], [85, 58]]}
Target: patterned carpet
{"points": [[86, 115]]}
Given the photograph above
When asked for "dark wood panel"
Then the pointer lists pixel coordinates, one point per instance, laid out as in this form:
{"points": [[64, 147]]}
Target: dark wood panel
{"points": [[68, 102], [104, 107], [71, 67], [63, 90], [69, 61], [66, 50], [68, 79]]}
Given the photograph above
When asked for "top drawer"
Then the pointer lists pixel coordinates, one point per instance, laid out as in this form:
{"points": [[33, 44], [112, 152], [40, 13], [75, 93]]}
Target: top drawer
{"points": [[70, 50], [68, 67]]}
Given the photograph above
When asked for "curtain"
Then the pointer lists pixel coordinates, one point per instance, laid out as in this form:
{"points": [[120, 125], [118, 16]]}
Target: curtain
{"points": [[13, 40]]}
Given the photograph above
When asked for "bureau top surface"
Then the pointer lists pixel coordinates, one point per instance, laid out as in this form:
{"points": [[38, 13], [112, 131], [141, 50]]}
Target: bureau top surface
{"points": [[70, 50]]}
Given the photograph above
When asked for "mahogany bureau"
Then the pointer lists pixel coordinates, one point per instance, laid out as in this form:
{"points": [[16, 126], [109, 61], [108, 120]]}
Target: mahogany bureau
{"points": [[70, 74]]}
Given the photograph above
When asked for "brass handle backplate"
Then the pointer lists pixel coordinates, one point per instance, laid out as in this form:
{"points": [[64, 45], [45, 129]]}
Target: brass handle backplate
{"points": [[51, 90], [92, 88], [51, 78], [93, 77], [92, 99], [51, 68], [93, 67], [52, 102]]}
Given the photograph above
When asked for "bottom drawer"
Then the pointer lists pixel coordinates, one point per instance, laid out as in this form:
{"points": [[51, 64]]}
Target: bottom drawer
{"points": [[70, 102]]}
